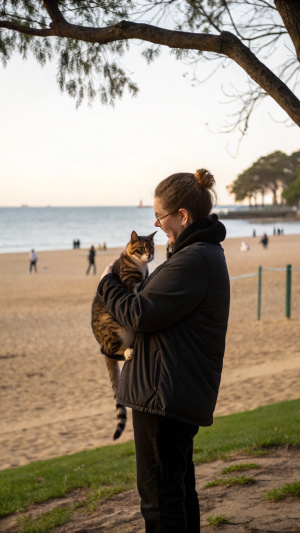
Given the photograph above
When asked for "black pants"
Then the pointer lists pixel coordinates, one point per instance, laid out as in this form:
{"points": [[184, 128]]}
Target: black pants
{"points": [[94, 265], [166, 474], [32, 264]]}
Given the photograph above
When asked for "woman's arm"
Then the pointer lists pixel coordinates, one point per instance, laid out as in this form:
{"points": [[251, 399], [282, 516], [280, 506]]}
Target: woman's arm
{"points": [[108, 269], [169, 295]]}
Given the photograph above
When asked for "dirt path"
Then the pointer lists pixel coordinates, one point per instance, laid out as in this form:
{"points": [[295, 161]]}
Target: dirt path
{"points": [[243, 505]]}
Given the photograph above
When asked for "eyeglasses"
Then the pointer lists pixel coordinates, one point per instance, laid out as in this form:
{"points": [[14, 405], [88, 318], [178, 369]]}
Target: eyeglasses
{"points": [[164, 216]]}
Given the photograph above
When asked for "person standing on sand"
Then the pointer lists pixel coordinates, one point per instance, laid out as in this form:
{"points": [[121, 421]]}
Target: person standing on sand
{"points": [[91, 259], [33, 261], [264, 241], [180, 317]]}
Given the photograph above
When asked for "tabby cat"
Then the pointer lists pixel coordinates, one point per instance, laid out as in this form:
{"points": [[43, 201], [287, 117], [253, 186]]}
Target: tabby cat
{"points": [[115, 340]]}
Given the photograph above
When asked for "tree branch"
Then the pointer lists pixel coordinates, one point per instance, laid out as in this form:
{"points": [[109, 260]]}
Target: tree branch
{"points": [[225, 44], [290, 14], [268, 81], [26, 29], [53, 11], [13, 16]]}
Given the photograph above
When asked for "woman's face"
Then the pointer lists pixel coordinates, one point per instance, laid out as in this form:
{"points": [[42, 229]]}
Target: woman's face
{"points": [[173, 224]]}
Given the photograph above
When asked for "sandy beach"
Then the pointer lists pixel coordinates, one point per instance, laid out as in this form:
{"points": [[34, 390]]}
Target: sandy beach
{"points": [[55, 394]]}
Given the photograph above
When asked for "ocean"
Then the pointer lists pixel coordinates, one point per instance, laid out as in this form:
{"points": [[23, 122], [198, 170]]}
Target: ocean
{"points": [[55, 228]]}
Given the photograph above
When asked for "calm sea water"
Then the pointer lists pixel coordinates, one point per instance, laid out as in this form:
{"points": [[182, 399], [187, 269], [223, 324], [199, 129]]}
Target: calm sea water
{"points": [[55, 228]]}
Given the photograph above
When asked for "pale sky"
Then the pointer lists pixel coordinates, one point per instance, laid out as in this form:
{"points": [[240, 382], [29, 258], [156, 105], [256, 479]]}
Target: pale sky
{"points": [[53, 154]]}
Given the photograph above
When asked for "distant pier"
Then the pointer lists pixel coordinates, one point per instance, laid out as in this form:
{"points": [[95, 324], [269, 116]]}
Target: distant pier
{"points": [[259, 212]]}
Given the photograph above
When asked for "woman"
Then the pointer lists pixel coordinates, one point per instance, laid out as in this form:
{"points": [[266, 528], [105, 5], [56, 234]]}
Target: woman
{"points": [[180, 318]]}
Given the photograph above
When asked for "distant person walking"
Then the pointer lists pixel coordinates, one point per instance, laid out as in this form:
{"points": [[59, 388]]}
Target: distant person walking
{"points": [[265, 241], [91, 259], [33, 261]]}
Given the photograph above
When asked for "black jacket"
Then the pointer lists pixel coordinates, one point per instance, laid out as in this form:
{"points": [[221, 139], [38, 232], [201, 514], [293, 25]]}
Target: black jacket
{"points": [[180, 318], [92, 254]]}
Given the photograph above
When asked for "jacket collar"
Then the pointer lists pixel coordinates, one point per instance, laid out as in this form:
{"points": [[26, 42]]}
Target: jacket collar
{"points": [[208, 229]]}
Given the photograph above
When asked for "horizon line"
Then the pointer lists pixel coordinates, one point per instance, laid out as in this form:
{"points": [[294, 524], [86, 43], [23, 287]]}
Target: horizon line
{"points": [[24, 206]]}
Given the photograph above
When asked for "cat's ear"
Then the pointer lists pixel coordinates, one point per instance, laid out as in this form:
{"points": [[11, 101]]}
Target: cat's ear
{"points": [[150, 237], [134, 236]]}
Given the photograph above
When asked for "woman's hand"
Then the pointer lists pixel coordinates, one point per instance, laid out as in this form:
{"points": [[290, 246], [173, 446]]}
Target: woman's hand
{"points": [[108, 270]]}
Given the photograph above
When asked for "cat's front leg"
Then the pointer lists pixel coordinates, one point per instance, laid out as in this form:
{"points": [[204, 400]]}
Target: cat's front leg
{"points": [[128, 354], [127, 336]]}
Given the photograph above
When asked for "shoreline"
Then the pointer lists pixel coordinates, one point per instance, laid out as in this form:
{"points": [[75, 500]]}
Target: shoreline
{"points": [[116, 249]]}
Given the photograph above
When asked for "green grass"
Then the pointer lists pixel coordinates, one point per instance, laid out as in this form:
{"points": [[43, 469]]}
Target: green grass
{"points": [[47, 521], [109, 470], [290, 489], [251, 432], [229, 481], [105, 471], [217, 520], [239, 467]]}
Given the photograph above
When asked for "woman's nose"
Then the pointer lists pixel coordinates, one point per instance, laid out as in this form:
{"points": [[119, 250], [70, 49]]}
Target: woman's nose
{"points": [[156, 224]]}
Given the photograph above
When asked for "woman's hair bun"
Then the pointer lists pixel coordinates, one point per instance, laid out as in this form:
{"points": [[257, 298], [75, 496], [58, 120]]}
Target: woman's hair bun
{"points": [[205, 178]]}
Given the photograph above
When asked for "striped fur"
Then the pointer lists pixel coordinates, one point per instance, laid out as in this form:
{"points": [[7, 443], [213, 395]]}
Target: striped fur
{"points": [[115, 340], [122, 418]]}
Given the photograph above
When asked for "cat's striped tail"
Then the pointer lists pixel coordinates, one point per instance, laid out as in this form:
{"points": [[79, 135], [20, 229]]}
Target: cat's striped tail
{"points": [[114, 376], [122, 418]]}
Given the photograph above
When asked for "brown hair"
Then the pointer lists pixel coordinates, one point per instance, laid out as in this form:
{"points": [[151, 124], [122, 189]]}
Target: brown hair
{"points": [[194, 192]]}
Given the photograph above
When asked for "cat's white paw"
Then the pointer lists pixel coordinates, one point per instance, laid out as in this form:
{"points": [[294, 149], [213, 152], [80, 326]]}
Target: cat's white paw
{"points": [[128, 354]]}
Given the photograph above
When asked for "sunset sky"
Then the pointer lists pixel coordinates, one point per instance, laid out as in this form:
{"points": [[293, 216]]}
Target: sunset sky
{"points": [[53, 154]]}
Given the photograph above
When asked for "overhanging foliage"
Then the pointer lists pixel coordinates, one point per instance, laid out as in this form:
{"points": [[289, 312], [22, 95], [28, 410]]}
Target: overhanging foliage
{"points": [[89, 38]]}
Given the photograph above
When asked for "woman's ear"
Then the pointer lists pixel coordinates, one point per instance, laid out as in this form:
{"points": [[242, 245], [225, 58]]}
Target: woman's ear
{"points": [[184, 217]]}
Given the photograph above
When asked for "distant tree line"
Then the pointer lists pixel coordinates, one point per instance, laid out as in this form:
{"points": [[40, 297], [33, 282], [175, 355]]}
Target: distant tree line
{"points": [[276, 173]]}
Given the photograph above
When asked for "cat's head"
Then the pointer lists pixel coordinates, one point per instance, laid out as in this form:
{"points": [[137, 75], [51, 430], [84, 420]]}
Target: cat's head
{"points": [[141, 248]]}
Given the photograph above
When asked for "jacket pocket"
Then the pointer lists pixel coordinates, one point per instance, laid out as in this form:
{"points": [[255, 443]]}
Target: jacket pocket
{"points": [[156, 371]]}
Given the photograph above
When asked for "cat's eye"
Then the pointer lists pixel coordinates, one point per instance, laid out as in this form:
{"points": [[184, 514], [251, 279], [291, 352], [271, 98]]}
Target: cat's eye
{"points": [[142, 248]]}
